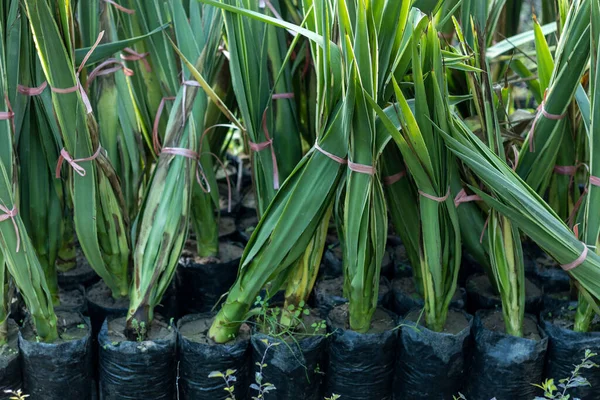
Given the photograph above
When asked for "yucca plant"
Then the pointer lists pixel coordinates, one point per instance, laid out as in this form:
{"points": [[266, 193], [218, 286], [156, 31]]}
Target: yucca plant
{"points": [[94, 188], [281, 237], [18, 256], [165, 213]]}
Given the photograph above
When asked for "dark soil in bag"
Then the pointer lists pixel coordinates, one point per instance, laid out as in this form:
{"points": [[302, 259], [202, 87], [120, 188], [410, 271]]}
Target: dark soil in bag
{"points": [[198, 356], [361, 366], [102, 305], [72, 300], [60, 370], [543, 270], [481, 295], [405, 297], [81, 274], [138, 370], [227, 228], [432, 365], [201, 281], [332, 267], [294, 365], [400, 263], [566, 349], [557, 300], [505, 366], [10, 362], [329, 294]]}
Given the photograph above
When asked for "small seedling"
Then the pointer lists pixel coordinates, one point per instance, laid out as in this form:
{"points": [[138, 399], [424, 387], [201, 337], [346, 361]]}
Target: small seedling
{"points": [[559, 392], [16, 395], [229, 379]]}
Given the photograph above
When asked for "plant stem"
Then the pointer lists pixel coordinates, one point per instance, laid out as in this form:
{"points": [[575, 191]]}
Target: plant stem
{"points": [[583, 315]]}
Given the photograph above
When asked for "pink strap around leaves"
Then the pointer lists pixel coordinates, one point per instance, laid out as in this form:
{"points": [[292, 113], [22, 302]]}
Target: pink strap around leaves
{"points": [[78, 86], [135, 56], [7, 115], [580, 260], [390, 180], [32, 91], [462, 197], [74, 163], [541, 112], [595, 181], [108, 67], [434, 198], [120, 7], [335, 158], [361, 168], [11, 214]]}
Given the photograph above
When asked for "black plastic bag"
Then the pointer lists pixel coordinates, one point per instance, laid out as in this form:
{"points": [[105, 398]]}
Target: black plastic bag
{"points": [[201, 285], [61, 370], [504, 366], [10, 362], [137, 370], [328, 294], [198, 356], [101, 305], [566, 349], [295, 368], [432, 365], [544, 271], [404, 297], [481, 296], [81, 274], [361, 366]]}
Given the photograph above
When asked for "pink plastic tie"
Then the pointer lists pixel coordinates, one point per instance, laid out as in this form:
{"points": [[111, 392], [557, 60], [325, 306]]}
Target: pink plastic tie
{"points": [[278, 96], [161, 106], [390, 180], [580, 260], [568, 170], [434, 198], [74, 163], [335, 158], [11, 214], [114, 66], [595, 181], [263, 145], [361, 168], [541, 112], [7, 115], [32, 91], [462, 197], [78, 86], [135, 56], [120, 7]]}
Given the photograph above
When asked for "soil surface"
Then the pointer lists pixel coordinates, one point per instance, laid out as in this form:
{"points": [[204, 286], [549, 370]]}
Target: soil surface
{"points": [[481, 284], [335, 287], [565, 318], [227, 253], [249, 200], [196, 330], [116, 330], [100, 294], [380, 322], [226, 226], [71, 298], [455, 323], [494, 321], [407, 286], [70, 326], [304, 328]]}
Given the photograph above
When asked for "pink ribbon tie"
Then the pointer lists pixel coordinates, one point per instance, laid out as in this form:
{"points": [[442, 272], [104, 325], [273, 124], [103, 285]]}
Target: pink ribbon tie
{"points": [[390, 180], [335, 158], [32, 91], [78, 86], [114, 66], [120, 7], [541, 112], [580, 260], [74, 163], [135, 56], [12, 213], [462, 197], [278, 96], [595, 181], [361, 168], [434, 198]]}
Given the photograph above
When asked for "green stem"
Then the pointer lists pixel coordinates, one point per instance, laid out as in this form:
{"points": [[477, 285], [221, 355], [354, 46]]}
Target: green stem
{"points": [[583, 315]]}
